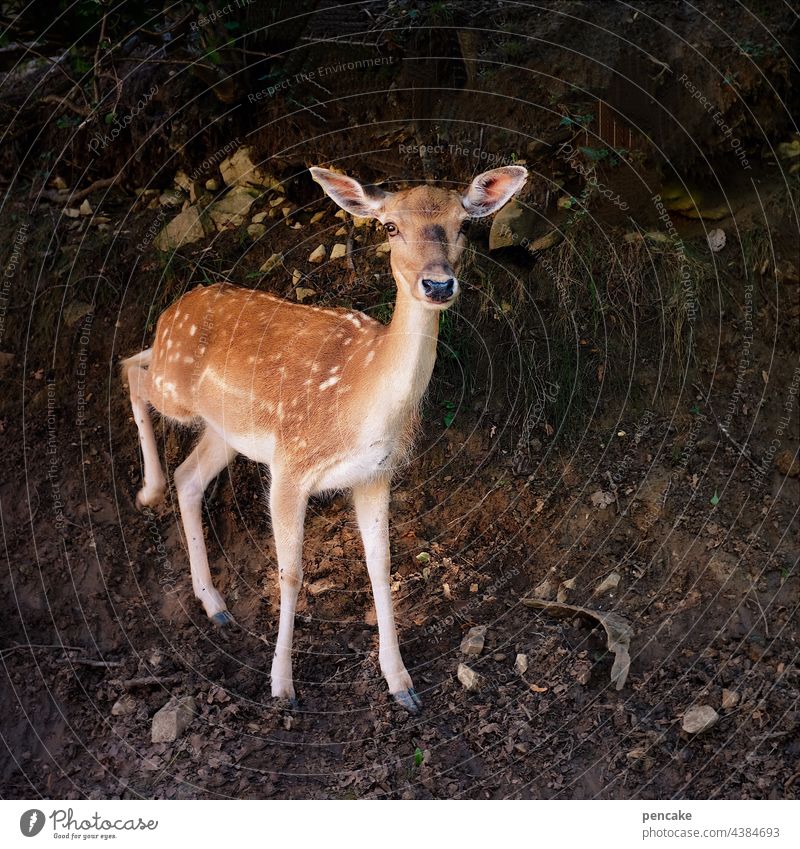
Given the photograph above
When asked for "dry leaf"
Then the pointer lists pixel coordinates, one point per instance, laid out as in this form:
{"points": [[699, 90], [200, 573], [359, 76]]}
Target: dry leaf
{"points": [[618, 632]]}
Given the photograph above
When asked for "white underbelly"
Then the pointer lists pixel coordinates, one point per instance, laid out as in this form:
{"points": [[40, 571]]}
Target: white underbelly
{"points": [[355, 468], [259, 448]]}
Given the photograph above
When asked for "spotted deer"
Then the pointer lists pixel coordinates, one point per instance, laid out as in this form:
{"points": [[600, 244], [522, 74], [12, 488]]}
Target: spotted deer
{"points": [[326, 398]]}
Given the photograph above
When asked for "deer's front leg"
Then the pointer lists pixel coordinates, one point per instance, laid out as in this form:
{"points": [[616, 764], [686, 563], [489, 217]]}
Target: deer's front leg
{"points": [[288, 510], [371, 501]]}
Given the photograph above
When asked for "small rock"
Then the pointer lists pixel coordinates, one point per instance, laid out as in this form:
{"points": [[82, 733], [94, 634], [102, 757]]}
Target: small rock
{"points": [[212, 185], [185, 228], [85, 208], [546, 590], [173, 719], [171, 197], [124, 706], [601, 499], [338, 251], [256, 231], [317, 216], [472, 644], [564, 589], [272, 262], [716, 240], [71, 212], [342, 231], [521, 664], [610, 582], [360, 222], [699, 718], [383, 248], [286, 210], [340, 214], [240, 170], [469, 678], [297, 276], [182, 181], [232, 209], [317, 255], [259, 217], [730, 698], [301, 293], [59, 183], [787, 464]]}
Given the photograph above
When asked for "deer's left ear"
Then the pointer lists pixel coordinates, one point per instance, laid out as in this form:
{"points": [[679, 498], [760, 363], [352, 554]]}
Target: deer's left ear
{"points": [[492, 189]]}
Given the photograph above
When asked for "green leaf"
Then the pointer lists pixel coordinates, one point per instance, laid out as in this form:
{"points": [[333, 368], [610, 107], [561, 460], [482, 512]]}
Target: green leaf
{"points": [[694, 410], [594, 153], [715, 498], [418, 756], [423, 557]]}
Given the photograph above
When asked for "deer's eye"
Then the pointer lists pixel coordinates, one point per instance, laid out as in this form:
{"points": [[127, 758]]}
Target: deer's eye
{"points": [[390, 228]]}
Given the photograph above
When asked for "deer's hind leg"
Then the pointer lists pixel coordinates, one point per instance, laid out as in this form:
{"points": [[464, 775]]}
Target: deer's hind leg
{"points": [[207, 460], [136, 373]]}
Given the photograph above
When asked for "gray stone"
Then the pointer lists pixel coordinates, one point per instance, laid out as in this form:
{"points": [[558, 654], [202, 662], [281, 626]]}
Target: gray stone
{"points": [[699, 718], [173, 719], [473, 641], [240, 170], [469, 678], [232, 209], [185, 228]]}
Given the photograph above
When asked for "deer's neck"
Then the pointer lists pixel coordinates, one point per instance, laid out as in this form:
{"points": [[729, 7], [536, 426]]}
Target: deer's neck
{"points": [[406, 356]]}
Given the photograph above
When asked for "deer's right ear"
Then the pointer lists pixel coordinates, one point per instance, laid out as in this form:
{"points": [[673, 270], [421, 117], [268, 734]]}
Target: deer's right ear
{"points": [[363, 201]]}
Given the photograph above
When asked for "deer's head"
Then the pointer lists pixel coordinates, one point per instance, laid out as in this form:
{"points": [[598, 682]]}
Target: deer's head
{"points": [[426, 225]]}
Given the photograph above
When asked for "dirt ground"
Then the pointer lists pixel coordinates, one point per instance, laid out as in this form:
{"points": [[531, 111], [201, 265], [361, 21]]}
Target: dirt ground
{"points": [[671, 501]]}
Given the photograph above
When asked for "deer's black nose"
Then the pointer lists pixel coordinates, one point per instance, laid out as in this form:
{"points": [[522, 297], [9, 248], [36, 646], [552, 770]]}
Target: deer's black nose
{"points": [[439, 290]]}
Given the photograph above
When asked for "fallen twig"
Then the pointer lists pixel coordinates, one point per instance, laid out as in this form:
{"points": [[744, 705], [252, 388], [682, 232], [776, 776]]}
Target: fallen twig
{"points": [[724, 431], [150, 680], [74, 197]]}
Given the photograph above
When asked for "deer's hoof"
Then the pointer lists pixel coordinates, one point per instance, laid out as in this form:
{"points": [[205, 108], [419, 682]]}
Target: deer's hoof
{"points": [[223, 619], [409, 700]]}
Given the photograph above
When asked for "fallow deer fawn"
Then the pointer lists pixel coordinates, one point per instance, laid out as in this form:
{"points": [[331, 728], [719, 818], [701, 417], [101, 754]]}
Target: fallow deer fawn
{"points": [[327, 398]]}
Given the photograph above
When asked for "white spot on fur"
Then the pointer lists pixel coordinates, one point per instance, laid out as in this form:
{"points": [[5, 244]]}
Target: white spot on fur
{"points": [[331, 381], [370, 357], [193, 330]]}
